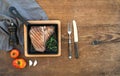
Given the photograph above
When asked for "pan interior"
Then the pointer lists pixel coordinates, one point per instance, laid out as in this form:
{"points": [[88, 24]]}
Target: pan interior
{"points": [[31, 49]]}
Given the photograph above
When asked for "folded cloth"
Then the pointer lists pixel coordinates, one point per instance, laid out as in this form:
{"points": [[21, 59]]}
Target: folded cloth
{"points": [[29, 10]]}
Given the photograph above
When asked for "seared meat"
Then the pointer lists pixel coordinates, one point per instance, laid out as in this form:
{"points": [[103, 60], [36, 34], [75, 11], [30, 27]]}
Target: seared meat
{"points": [[39, 35]]}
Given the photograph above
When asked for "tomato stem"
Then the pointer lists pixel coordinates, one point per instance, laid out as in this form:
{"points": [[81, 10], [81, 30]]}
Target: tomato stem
{"points": [[18, 62]]}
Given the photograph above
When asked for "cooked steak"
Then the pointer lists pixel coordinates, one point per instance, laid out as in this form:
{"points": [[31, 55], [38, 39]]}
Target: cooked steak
{"points": [[39, 35]]}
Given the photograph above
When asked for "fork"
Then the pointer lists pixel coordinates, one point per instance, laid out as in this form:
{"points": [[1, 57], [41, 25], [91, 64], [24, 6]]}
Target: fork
{"points": [[69, 41]]}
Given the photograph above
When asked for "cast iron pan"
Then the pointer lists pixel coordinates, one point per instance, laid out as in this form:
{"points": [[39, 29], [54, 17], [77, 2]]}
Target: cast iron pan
{"points": [[15, 13]]}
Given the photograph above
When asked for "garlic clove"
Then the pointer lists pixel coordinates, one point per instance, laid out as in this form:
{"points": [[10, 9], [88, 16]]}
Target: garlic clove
{"points": [[35, 63], [30, 62]]}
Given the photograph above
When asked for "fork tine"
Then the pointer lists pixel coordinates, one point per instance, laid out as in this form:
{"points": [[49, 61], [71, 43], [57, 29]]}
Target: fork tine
{"points": [[68, 27]]}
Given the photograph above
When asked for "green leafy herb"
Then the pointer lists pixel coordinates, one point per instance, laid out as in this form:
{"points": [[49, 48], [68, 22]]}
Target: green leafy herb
{"points": [[52, 44]]}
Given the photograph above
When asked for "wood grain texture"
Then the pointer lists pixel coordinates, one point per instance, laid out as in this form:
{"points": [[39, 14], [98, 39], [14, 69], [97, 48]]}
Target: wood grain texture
{"points": [[96, 19]]}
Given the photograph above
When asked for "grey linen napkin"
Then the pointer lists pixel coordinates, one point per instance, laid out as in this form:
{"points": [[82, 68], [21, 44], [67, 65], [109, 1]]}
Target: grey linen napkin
{"points": [[29, 10]]}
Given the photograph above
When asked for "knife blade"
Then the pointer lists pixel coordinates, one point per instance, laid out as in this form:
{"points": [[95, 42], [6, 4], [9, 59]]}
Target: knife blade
{"points": [[75, 39]]}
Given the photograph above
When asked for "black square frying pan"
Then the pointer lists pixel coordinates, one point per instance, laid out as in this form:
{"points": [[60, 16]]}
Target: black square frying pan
{"points": [[28, 24]]}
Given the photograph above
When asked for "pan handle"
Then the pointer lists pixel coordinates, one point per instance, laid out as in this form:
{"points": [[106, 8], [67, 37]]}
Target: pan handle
{"points": [[15, 13]]}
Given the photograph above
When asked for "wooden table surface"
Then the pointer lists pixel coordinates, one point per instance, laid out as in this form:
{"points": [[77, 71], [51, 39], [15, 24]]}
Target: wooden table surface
{"points": [[96, 19]]}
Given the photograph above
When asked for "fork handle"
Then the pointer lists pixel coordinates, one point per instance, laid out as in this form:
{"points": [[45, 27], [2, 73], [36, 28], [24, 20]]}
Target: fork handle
{"points": [[69, 50]]}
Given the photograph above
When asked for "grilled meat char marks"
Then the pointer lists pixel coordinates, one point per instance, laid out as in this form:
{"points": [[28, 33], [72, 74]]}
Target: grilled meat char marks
{"points": [[37, 38], [39, 35]]}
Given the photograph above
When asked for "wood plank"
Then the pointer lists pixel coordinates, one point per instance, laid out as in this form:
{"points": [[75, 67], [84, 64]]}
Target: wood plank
{"points": [[96, 19]]}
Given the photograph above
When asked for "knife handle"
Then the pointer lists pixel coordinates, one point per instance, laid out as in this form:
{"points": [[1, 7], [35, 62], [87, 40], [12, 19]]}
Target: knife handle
{"points": [[69, 50], [76, 50]]}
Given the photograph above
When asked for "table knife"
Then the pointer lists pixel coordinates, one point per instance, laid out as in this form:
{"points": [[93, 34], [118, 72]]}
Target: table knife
{"points": [[75, 39]]}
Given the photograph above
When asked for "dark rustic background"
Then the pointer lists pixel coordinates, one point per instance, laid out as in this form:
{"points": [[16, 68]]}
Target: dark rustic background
{"points": [[96, 19]]}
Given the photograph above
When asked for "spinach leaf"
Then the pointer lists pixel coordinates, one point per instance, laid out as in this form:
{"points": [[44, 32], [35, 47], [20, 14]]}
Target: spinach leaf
{"points": [[52, 44]]}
